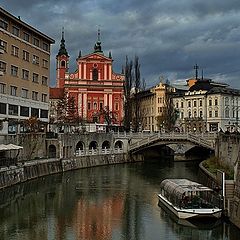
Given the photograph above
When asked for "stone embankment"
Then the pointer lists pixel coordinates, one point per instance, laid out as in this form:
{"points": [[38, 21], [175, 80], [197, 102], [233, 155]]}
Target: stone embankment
{"points": [[33, 169], [227, 150]]}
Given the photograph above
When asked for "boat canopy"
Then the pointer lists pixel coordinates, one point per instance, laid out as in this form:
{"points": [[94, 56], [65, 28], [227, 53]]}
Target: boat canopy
{"points": [[179, 187]]}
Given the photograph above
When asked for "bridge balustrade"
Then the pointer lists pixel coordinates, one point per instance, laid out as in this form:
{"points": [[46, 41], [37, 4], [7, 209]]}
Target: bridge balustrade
{"points": [[98, 151], [205, 140]]}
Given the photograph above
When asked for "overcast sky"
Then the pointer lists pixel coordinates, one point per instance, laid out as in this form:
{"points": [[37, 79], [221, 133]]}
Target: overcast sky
{"points": [[169, 37]]}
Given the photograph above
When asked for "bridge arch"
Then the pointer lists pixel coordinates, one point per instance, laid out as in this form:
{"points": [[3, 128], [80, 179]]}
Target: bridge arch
{"points": [[52, 151], [106, 144], [93, 145], [118, 144]]}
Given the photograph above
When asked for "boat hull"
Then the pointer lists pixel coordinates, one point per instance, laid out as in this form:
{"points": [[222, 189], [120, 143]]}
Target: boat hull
{"points": [[183, 213]]}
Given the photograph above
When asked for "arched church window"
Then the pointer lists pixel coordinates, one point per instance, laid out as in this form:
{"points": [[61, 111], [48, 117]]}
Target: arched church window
{"points": [[63, 63], [95, 74]]}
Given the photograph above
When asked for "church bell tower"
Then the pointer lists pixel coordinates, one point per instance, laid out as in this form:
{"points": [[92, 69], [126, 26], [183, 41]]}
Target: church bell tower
{"points": [[62, 63]]}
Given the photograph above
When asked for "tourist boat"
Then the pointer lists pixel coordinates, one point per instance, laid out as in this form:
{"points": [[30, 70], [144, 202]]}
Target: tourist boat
{"points": [[188, 199]]}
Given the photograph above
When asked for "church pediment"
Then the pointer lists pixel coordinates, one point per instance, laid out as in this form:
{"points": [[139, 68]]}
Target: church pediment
{"points": [[95, 56]]}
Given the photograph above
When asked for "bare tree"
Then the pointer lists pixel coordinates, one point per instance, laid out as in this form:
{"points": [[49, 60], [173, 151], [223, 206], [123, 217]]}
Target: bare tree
{"points": [[32, 139], [168, 117], [127, 94]]}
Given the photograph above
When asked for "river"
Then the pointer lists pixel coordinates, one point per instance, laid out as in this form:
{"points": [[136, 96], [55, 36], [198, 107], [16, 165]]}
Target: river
{"points": [[103, 203]]}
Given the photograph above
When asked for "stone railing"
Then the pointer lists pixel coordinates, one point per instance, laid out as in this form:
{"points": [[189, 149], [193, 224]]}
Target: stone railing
{"points": [[200, 139], [105, 151]]}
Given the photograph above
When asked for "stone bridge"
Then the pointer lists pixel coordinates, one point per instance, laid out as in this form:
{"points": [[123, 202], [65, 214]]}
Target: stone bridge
{"points": [[180, 143], [71, 144]]}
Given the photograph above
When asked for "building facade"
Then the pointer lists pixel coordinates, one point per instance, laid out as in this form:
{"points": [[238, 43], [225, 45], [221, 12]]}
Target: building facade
{"points": [[208, 106], [97, 90], [152, 104], [24, 75]]}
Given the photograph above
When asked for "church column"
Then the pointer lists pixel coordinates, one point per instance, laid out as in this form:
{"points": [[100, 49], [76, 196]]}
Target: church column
{"points": [[80, 104], [110, 102], [110, 72], [84, 105], [80, 71], [105, 103], [105, 71], [84, 71]]}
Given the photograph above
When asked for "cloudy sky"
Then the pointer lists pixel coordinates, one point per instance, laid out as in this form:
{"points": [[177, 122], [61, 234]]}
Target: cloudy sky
{"points": [[169, 37]]}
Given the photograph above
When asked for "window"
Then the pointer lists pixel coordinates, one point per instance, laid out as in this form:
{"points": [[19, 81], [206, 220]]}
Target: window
{"points": [[200, 103], [210, 102], [176, 104], [34, 95], [3, 45], [12, 109], [24, 93], [36, 42], [89, 106], [24, 111], [63, 63], [3, 108], [25, 74], [94, 105], [216, 113], [3, 24], [189, 114], [45, 63], [13, 90], [35, 77], [14, 71], [216, 102], [3, 66], [116, 106], [26, 36], [101, 105], [200, 114], [227, 101], [12, 128], [44, 97], [45, 47], [14, 51], [181, 104], [34, 112], [43, 113], [227, 113], [35, 59], [2, 88], [95, 74], [44, 80], [189, 103], [25, 55], [15, 31], [210, 114], [195, 113], [195, 103]]}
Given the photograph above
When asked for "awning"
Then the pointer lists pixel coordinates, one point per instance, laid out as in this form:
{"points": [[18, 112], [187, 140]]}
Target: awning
{"points": [[7, 147]]}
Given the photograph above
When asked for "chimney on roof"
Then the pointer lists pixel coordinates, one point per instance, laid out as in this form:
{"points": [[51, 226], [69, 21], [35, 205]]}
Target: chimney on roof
{"points": [[19, 17]]}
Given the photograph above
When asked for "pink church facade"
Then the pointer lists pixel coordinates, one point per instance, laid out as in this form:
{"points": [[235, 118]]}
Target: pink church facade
{"points": [[97, 90]]}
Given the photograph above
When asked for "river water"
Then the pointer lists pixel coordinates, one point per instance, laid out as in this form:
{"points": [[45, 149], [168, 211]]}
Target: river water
{"points": [[104, 203]]}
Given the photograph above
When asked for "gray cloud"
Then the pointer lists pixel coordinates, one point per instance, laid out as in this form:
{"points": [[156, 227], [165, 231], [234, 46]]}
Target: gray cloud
{"points": [[168, 36]]}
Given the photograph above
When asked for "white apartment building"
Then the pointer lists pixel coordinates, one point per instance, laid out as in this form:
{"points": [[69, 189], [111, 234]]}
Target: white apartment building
{"points": [[208, 106]]}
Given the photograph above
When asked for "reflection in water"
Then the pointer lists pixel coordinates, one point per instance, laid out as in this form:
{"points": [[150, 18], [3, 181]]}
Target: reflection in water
{"points": [[114, 202]]}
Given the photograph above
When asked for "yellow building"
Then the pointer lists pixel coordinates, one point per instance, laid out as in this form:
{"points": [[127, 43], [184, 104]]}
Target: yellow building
{"points": [[152, 103], [24, 73]]}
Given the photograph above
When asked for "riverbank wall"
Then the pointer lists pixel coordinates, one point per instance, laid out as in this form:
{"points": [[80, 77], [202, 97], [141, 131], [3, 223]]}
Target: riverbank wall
{"points": [[23, 172], [227, 151]]}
